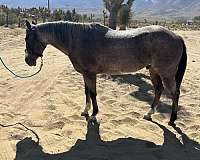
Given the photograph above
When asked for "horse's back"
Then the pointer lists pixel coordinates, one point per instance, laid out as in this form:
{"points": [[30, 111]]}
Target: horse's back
{"points": [[103, 50], [131, 50], [139, 32]]}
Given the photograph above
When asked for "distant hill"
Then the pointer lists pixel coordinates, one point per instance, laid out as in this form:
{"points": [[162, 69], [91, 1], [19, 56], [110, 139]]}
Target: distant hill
{"points": [[170, 9]]}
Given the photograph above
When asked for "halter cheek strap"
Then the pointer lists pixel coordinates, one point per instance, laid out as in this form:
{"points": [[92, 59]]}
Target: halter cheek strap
{"points": [[43, 47], [37, 37]]}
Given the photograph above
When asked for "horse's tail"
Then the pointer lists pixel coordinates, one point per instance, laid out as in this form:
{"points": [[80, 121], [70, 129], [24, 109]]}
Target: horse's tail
{"points": [[182, 66]]}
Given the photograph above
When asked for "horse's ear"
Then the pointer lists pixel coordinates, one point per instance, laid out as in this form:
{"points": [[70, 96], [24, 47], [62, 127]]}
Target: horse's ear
{"points": [[28, 25]]}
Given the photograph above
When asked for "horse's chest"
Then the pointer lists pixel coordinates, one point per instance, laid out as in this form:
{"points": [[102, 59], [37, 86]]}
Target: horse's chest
{"points": [[77, 66], [84, 63]]}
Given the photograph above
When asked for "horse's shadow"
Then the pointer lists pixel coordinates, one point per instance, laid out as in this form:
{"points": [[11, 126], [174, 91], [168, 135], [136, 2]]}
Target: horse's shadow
{"points": [[145, 90], [94, 148]]}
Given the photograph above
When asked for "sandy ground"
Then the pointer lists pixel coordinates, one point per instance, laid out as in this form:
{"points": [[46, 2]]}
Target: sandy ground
{"points": [[51, 103]]}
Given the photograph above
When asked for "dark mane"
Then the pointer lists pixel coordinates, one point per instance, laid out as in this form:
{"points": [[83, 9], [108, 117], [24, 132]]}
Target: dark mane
{"points": [[61, 29]]}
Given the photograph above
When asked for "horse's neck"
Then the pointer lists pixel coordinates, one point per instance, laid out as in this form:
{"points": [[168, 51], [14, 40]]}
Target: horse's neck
{"points": [[56, 36]]}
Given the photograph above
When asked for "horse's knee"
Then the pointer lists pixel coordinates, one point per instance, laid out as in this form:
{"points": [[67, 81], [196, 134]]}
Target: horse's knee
{"points": [[90, 82]]}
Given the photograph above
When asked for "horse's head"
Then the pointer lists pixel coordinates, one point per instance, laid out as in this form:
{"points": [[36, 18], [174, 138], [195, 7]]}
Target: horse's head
{"points": [[34, 45]]}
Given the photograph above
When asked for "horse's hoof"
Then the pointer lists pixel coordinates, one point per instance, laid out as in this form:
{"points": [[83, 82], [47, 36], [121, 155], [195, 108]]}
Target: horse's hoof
{"points": [[147, 117], [172, 124]]}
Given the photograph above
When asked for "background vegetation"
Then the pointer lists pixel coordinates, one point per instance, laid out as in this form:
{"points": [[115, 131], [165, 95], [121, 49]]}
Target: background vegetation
{"points": [[14, 17]]}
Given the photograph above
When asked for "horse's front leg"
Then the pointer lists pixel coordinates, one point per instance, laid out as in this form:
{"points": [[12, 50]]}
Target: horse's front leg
{"points": [[90, 82], [88, 102]]}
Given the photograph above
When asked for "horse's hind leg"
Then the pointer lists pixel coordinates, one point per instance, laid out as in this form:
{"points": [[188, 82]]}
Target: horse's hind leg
{"points": [[158, 89], [90, 81], [170, 85], [175, 100]]}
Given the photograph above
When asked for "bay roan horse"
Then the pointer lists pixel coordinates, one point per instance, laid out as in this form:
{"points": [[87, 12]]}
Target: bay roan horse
{"points": [[94, 49]]}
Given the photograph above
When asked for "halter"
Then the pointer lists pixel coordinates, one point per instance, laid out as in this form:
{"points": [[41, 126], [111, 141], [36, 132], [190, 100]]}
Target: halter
{"points": [[41, 43], [41, 65]]}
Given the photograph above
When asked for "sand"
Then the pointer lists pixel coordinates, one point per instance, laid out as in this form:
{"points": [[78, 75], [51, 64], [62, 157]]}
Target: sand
{"points": [[51, 103]]}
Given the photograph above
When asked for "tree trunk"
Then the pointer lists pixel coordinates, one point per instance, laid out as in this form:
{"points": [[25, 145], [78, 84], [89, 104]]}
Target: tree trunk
{"points": [[7, 19], [113, 18], [122, 27]]}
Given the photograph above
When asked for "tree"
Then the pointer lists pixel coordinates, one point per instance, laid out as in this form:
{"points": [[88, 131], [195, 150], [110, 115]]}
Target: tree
{"points": [[74, 15], [84, 17], [125, 14], [68, 16], [58, 14], [10, 16], [196, 19], [115, 7]]}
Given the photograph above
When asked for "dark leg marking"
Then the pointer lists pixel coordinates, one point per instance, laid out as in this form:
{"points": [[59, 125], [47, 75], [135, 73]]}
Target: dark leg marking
{"points": [[90, 81], [88, 102], [175, 100]]}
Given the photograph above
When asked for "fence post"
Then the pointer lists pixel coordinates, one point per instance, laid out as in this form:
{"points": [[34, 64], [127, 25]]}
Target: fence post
{"points": [[6, 17], [19, 22], [104, 17]]}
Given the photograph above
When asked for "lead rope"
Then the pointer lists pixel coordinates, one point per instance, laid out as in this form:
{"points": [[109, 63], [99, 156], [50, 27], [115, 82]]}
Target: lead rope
{"points": [[12, 125], [19, 75], [28, 129]]}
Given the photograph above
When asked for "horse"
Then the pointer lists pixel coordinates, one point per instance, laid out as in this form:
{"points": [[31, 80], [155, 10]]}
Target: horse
{"points": [[96, 49]]}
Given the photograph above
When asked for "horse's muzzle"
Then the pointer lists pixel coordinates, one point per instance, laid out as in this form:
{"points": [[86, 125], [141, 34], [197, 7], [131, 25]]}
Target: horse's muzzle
{"points": [[29, 60]]}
